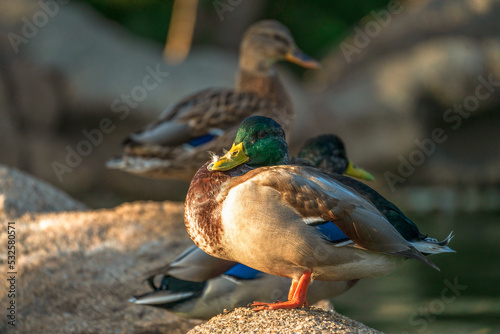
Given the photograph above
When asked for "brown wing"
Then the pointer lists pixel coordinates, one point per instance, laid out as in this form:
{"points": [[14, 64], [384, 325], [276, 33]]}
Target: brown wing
{"points": [[197, 115], [317, 196]]}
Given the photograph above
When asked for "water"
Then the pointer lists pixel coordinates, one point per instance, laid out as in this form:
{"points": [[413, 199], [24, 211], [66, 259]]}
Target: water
{"points": [[418, 299]]}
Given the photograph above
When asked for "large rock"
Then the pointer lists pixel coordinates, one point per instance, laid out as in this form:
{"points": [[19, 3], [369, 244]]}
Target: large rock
{"points": [[77, 270], [21, 193], [306, 320]]}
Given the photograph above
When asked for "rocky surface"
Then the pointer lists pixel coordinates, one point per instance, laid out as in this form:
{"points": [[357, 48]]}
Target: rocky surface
{"points": [[77, 270], [306, 320], [21, 193]]}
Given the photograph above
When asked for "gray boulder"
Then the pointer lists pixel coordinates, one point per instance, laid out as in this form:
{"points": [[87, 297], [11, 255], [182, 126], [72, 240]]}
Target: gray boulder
{"points": [[21, 193]]}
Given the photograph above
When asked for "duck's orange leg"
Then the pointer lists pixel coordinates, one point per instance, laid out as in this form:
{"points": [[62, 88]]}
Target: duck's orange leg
{"points": [[296, 296], [293, 288], [291, 293]]}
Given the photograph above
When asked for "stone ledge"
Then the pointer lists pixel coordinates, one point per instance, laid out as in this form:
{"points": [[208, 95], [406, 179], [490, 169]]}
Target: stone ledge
{"points": [[305, 320]]}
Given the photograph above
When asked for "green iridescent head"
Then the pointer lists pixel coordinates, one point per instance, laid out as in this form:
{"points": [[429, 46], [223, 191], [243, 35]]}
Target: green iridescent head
{"points": [[260, 141]]}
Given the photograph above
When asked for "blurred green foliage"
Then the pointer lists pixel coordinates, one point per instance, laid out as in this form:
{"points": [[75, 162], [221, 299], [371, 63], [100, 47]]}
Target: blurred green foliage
{"points": [[146, 18], [318, 24]]}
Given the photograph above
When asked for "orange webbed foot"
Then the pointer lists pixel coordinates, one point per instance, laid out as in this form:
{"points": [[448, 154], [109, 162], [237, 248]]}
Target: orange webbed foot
{"points": [[254, 304], [260, 306]]}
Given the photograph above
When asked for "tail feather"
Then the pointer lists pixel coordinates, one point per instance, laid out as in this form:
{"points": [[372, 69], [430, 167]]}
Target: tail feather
{"points": [[161, 297], [446, 241], [414, 254], [429, 246]]}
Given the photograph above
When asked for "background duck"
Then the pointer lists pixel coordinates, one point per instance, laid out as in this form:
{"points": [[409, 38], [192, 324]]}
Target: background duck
{"points": [[294, 221], [328, 152], [197, 285], [208, 120]]}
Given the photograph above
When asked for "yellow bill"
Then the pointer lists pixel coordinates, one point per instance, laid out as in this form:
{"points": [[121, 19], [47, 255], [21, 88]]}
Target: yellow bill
{"points": [[235, 157], [357, 172]]}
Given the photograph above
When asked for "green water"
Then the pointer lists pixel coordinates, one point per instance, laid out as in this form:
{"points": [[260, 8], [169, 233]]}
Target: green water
{"points": [[418, 299]]}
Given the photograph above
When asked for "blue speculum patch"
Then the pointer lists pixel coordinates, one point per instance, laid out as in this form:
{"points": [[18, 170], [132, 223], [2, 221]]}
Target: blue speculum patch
{"points": [[331, 232], [242, 272], [201, 140]]}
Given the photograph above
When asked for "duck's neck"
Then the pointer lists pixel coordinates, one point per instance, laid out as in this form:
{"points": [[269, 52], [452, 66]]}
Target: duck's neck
{"points": [[263, 82], [260, 78]]}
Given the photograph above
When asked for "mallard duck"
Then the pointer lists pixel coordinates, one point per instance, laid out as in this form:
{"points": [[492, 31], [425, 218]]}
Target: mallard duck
{"points": [[176, 144], [197, 285], [250, 206], [328, 152]]}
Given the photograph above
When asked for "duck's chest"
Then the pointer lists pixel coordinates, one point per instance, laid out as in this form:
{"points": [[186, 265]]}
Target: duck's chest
{"points": [[202, 211]]}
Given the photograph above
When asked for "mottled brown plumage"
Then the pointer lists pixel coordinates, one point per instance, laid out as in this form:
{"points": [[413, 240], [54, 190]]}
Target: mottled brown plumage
{"points": [[203, 201]]}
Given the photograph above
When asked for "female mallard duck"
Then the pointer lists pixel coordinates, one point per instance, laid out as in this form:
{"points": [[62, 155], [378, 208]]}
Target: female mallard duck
{"points": [[176, 144], [200, 286], [296, 221]]}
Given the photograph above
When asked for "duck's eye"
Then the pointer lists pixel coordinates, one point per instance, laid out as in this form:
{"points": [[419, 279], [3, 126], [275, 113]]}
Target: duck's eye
{"points": [[261, 134], [281, 39]]}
